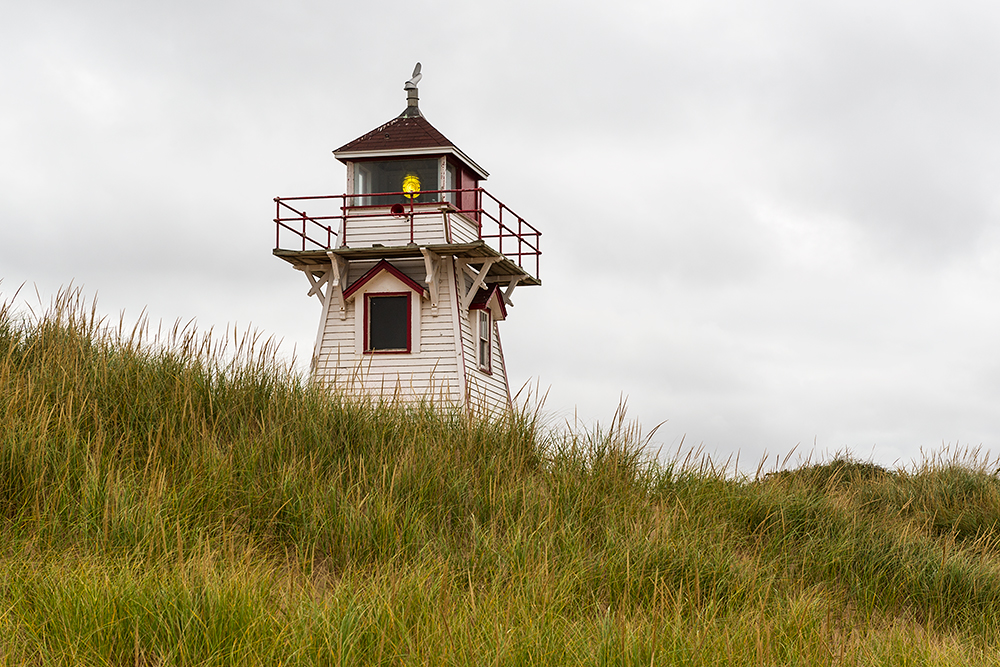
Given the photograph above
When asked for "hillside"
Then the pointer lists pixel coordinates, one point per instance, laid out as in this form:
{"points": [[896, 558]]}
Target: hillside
{"points": [[188, 501]]}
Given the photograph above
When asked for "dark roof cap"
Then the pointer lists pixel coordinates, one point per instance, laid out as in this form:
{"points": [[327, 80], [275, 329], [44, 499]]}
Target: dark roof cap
{"points": [[402, 132], [406, 134]]}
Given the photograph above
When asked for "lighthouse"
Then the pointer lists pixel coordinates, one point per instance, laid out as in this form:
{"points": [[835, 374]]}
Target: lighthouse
{"points": [[414, 264]]}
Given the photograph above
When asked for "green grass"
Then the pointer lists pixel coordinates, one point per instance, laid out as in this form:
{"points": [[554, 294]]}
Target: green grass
{"points": [[179, 500]]}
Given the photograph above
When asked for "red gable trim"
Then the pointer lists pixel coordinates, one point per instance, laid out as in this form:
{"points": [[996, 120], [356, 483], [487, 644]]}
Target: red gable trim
{"points": [[377, 269], [484, 296]]}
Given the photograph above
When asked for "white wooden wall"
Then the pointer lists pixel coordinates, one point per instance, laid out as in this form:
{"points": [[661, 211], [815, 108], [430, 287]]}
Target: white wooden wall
{"points": [[463, 229], [445, 370], [485, 390], [429, 227], [433, 373]]}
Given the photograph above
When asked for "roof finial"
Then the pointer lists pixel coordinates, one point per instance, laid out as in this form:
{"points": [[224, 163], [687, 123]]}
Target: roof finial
{"points": [[411, 93]]}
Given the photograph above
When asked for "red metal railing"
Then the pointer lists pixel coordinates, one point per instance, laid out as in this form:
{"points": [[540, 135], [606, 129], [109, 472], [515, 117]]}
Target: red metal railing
{"points": [[500, 227]]}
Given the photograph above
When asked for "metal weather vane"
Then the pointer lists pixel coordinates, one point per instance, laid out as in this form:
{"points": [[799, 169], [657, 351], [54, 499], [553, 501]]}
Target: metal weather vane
{"points": [[414, 80]]}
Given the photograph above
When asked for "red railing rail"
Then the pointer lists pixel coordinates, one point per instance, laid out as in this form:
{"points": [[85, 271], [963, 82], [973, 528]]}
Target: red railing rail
{"points": [[310, 224], [505, 231]]}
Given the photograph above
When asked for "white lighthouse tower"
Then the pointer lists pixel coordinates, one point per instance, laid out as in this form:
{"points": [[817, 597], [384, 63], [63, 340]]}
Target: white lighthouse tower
{"points": [[414, 266]]}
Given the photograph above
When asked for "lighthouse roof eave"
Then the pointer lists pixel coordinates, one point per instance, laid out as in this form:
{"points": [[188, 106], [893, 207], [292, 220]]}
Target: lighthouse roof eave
{"points": [[403, 136]]}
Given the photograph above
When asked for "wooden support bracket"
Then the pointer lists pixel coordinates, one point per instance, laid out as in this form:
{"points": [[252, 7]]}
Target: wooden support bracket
{"points": [[338, 266], [316, 283], [510, 288], [432, 262], [478, 277]]}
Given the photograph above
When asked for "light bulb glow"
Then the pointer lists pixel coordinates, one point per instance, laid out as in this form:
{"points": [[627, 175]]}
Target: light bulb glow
{"points": [[411, 185]]}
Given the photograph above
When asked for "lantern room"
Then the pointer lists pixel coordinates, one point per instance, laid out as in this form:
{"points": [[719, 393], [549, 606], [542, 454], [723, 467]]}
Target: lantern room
{"points": [[407, 161], [415, 265]]}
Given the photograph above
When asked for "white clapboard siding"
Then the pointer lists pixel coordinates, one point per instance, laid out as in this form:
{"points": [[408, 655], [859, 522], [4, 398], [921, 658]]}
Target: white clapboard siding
{"points": [[391, 231], [463, 229], [444, 368], [485, 390], [498, 391], [428, 229], [431, 374]]}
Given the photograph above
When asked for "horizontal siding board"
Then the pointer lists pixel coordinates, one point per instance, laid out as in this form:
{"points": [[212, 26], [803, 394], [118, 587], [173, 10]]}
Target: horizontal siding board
{"points": [[440, 372], [423, 383], [380, 362]]}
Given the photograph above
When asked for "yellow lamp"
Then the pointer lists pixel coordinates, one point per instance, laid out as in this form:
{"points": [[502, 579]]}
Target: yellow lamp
{"points": [[411, 185]]}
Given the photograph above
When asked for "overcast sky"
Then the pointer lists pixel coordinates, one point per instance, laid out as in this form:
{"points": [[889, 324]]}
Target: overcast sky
{"points": [[769, 223]]}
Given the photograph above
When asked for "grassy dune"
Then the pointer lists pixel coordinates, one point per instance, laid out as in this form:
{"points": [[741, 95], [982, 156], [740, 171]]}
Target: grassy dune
{"points": [[183, 501]]}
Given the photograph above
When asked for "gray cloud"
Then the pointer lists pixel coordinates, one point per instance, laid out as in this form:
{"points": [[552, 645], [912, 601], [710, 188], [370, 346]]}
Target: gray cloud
{"points": [[769, 224]]}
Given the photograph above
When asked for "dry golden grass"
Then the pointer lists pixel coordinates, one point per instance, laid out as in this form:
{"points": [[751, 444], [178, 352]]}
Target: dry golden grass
{"points": [[179, 500]]}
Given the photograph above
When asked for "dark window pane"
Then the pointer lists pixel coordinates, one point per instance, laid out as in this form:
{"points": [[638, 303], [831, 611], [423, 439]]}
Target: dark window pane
{"points": [[484, 339], [388, 322]]}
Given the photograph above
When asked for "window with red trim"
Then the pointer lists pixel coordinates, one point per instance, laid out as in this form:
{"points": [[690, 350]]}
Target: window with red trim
{"points": [[387, 322]]}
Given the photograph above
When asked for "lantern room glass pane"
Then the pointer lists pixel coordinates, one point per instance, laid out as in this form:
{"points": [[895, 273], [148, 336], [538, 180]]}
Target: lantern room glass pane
{"points": [[413, 178], [451, 180]]}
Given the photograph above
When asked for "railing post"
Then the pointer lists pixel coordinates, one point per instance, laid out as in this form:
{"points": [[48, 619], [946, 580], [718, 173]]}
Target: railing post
{"points": [[343, 219], [277, 224], [520, 242], [303, 231]]}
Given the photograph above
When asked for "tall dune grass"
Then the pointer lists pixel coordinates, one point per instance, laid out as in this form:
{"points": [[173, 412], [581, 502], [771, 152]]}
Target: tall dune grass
{"points": [[179, 499]]}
